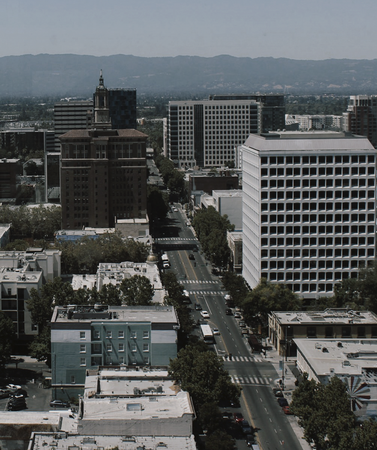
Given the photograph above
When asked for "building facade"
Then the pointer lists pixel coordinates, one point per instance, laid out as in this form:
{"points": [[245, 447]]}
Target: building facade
{"points": [[84, 338], [361, 116], [103, 177], [205, 133], [332, 323], [309, 209]]}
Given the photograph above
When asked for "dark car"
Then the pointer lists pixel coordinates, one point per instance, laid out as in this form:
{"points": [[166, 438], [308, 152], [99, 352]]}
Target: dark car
{"points": [[228, 312], [59, 404], [250, 440], [18, 393], [238, 417], [277, 392], [246, 428], [282, 401], [198, 307], [191, 256]]}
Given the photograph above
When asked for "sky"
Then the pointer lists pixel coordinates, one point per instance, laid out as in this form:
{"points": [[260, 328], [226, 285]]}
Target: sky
{"points": [[296, 29]]}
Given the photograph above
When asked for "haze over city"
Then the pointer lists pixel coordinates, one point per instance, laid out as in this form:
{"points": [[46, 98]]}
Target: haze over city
{"points": [[244, 28]]}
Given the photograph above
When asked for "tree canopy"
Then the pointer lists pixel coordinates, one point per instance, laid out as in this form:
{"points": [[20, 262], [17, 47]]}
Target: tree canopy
{"points": [[7, 336], [325, 414]]}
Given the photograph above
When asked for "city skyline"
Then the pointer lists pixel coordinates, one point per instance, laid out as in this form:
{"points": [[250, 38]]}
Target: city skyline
{"points": [[242, 28]]}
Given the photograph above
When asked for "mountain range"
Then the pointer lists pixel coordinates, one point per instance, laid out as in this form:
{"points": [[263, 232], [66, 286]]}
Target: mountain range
{"points": [[75, 75]]}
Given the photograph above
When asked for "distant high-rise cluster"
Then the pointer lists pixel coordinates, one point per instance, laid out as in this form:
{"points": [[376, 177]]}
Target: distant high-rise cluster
{"points": [[361, 116]]}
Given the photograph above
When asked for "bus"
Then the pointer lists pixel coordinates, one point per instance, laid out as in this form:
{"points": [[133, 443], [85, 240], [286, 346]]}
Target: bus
{"points": [[207, 334]]}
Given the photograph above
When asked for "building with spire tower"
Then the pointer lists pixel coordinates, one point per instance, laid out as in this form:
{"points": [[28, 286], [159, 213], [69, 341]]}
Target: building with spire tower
{"points": [[104, 173]]}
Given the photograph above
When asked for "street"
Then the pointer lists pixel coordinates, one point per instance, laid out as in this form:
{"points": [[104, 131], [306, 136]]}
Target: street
{"points": [[253, 372]]}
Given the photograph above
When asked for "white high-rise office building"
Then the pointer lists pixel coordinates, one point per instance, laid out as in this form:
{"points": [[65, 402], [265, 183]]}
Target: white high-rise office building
{"points": [[205, 133], [309, 209]]}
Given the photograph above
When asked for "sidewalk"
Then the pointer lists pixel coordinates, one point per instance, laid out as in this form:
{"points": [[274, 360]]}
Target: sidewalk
{"points": [[289, 368]]}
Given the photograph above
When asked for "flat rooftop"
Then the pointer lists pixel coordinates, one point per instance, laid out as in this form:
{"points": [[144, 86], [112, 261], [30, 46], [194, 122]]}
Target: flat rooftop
{"points": [[341, 356], [329, 316], [142, 314], [124, 382], [64, 441], [140, 408]]}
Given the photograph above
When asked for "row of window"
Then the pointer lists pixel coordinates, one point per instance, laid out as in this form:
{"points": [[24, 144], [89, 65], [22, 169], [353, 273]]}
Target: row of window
{"points": [[315, 206], [109, 334], [346, 332], [318, 253], [95, 361], [313, 241], [338, 159], [314, 171], [313, 183], [309, 264], [313, 229], [313, 218]]}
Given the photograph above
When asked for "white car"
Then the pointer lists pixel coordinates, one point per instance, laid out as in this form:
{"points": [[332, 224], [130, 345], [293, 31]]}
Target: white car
{"points": [[185, 293], [216, 332], [204, 314], [226, 297]]}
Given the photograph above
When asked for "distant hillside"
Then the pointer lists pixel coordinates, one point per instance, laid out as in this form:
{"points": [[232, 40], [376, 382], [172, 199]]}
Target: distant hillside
{"points": [[75, 75]]}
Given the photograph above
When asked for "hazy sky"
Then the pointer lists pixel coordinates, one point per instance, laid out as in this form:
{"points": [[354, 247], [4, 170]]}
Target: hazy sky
{"points": [[297, 29]]}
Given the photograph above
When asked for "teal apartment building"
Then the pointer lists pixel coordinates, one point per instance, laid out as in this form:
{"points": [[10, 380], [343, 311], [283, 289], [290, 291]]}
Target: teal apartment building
{"points": [[86, 337]]}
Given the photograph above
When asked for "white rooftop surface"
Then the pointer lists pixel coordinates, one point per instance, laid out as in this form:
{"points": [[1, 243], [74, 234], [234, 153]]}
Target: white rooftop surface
{"points": [[19, 275], [153, 313], [139, 408], [345, 356], [83, 281], [30, 417], [128, 383], [228, 193], [328, 316], [316, 141], [43, 441]]}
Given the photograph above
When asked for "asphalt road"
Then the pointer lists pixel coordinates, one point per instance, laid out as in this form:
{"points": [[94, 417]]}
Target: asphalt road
{"points": [[251, 371]]}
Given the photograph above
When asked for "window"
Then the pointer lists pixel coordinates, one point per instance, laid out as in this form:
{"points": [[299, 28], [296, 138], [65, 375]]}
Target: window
{"points": [[346, 332], [146, 359], [133, 335], [121, 334], [311, 332], [121, 359], [109, 348], [145, 347], [145, 334], [96, 334], [329, 332], [121, 347], [109, 334], [82, 348], [133, 348], [82, 362], [82, 334], [361, 332], [73, 379]]}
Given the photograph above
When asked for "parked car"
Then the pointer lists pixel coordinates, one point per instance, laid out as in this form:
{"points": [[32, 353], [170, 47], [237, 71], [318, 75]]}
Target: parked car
{"points": [[244, 331], [59, 404], [246, 428], [227, 415], [286, 410], [238, 417], [191, 256], [205, 314], [277, 392], [250, 440], [228, 312], [282, 401], [13, 387], [198, 307], [242, 324], [237, 315], [216, 331], [226, 297]]}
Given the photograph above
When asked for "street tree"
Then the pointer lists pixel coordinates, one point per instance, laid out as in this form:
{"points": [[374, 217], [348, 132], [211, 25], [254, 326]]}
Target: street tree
{"points": [[267, 297], [324, 412], [7, 337], [40, 347], [137, 291], [236, 286], [201, 373], [220, 440]]}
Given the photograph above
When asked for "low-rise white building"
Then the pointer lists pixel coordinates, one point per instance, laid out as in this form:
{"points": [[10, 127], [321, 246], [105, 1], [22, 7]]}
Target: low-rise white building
{"points": [[354, 361]]}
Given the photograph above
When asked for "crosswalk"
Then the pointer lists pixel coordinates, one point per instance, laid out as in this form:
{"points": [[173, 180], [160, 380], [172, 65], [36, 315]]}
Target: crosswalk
{"points": [[208, 292], [244, 358], [199, 281], [250, 380], [176, 239]]}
